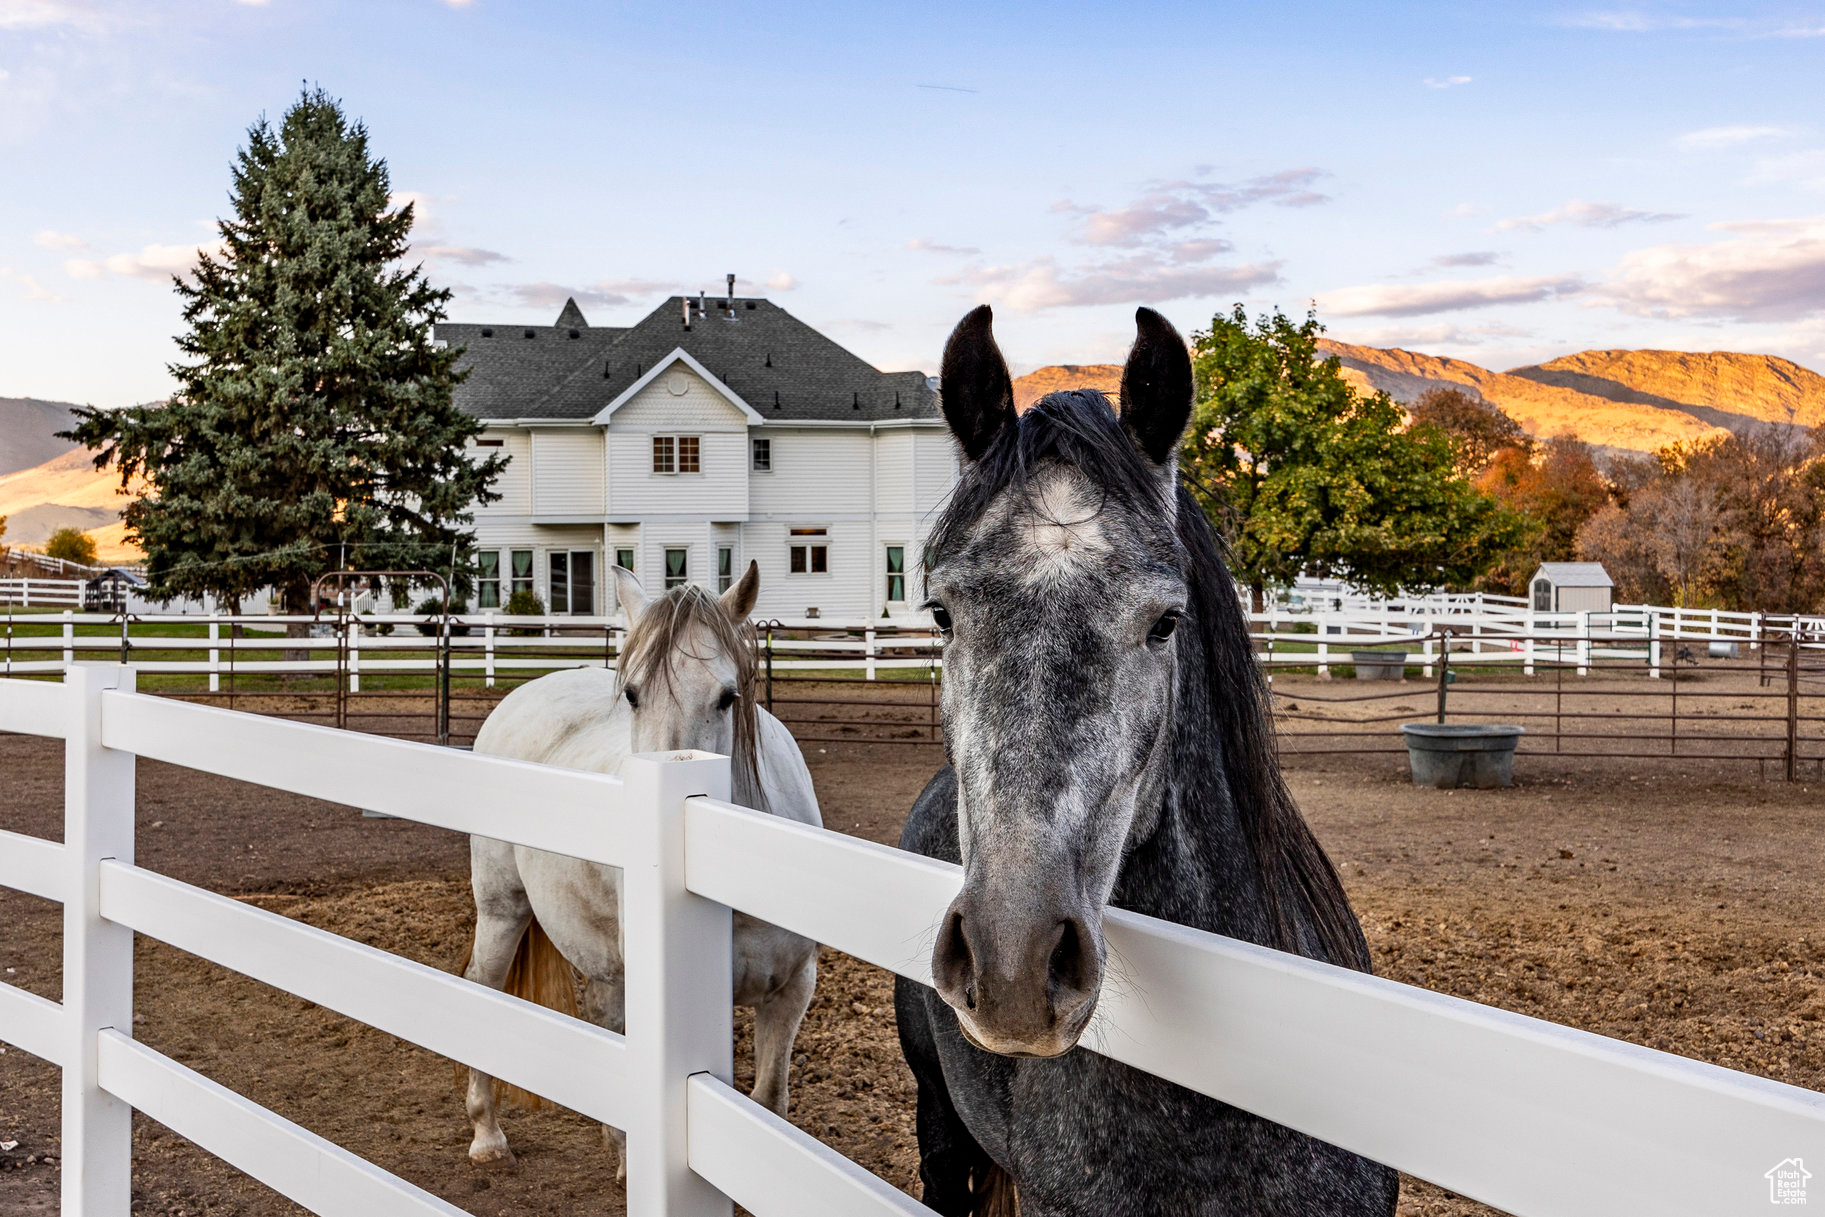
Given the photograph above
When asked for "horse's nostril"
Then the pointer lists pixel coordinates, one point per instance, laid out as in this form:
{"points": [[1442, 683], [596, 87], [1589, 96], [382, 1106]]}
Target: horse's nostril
{"points": [[1068, 967], [969, 995]]}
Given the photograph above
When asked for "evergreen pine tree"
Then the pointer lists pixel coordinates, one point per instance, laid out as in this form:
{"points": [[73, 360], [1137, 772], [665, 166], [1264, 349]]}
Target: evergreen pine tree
{"points": [[313, 426]]}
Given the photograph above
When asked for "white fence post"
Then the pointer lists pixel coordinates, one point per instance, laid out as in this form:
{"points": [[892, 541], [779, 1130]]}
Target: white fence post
{"points": [[678, 995], [1654, 645], [488, 651], [97, 955], [868, 652], [1584, 642], [1324, 648], [215, 653], [1528, 648], [69, 640]]}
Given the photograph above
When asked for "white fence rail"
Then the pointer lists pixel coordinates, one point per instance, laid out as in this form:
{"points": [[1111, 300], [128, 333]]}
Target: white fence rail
{"points": [[1525, 1115]]}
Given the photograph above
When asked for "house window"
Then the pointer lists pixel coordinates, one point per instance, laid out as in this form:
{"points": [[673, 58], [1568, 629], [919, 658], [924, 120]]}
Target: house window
{"points": [[763, 456], [573, 582], [521, 567], [808, 552], [677, 568], [488, 579], [677, 454], [624, 558], [896, 574], [725, 568]]}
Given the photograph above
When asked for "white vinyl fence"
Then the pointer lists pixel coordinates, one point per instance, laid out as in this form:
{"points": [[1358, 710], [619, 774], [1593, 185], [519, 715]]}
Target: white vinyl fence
{"points": [[1525, 1115]]}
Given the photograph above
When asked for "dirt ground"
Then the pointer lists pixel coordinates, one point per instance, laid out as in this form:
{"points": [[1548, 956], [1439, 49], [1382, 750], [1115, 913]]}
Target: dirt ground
{"points": [[1671, 904]]}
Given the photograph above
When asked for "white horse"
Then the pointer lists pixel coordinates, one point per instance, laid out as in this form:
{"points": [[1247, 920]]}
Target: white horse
{"points": [[686, 680]]}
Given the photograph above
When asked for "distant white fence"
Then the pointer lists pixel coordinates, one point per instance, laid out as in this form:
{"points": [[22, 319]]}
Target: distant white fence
{"points": [[1522, 1114]]}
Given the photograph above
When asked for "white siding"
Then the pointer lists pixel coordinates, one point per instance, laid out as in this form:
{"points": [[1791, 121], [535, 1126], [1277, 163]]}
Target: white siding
{"points": [[893, 455], [815, 473], [661, 406], [843, 592], [515, 483], [567, 471], [935, 468], [719, 492]]}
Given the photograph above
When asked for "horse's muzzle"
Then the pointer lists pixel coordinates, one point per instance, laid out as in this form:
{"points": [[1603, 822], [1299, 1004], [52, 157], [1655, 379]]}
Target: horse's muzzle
{"points": [[1023, 983]]}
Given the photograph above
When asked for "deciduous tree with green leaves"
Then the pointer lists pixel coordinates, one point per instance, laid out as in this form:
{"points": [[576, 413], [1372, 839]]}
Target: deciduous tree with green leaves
{"points": [[313, 425], [1304, 475]]}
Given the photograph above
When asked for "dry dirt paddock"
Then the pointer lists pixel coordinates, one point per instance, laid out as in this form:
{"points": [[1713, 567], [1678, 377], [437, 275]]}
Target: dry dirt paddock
{"points": [[1671, 906]]}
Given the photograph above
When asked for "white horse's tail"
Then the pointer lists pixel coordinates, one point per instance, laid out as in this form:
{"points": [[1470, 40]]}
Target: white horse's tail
{"points": [[539, 973]]}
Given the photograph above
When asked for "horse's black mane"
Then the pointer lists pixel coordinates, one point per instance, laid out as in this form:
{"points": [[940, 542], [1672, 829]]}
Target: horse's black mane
{"points": [[1080, 428]]}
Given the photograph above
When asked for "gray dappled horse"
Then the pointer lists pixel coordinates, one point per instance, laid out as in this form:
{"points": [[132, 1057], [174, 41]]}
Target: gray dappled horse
{"points": [[1109, 744]]}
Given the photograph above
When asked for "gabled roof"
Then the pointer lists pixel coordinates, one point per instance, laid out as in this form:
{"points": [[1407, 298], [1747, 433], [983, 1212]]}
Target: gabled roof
{"points": [[678, 355], [781, 367], [1575, 574]]}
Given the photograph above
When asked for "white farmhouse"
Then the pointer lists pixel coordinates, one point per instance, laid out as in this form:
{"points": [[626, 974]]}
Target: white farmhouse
{"points": [[705, 435]]}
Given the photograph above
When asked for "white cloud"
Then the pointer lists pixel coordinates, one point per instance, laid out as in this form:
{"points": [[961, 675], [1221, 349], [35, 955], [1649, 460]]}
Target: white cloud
{"points": [[780, 281], [1176, 206], [1584, 214], [1445, 82], [1634, 21], [932, 247], [1443, 334], [1765, 270], [50, 239], [42, 14], [156, 263], [1144, 277], [1475, 257], [34, 290], [462, 255], [1707, 138], [1464, 211], [548, 295], [1418, 299]]}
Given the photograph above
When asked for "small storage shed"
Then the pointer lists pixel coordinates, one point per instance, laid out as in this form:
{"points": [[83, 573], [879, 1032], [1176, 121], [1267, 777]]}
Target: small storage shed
{"points": [[108, 591], [1572, 587]]}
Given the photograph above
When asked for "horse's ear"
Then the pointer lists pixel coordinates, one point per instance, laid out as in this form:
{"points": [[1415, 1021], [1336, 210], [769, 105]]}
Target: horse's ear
{"points": [[629, 592], [738, 601], [976, 390], [1156, 387]]}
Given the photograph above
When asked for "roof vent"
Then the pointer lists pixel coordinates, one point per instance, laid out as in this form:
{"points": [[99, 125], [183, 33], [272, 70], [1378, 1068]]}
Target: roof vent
{"points": [[575, 334], [769, 358], [776, 399], [896, 399], [487, 333], [530, 334], [750, 304], [608, 369], [856, 403]]}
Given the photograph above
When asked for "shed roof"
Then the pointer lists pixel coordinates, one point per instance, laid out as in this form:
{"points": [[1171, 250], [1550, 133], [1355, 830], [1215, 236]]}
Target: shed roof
{"points": [[1574, 574], [780, 366]]}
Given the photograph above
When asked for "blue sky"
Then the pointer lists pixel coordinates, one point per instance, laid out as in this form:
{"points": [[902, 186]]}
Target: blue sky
{"points": [[1498, 182]]}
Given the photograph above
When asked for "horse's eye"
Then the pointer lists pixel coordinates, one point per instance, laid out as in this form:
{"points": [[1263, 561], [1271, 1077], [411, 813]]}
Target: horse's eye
{"points": [[941, 618], [1163, 628], [633, 697], [726, 700]]}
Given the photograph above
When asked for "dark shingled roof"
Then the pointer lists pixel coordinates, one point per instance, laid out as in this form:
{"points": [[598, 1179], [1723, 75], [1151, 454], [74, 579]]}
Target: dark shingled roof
{"points": [[779, 365]]}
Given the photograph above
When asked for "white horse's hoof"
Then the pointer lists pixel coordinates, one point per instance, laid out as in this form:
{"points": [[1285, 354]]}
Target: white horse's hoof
{"points": [[492, 1157]]}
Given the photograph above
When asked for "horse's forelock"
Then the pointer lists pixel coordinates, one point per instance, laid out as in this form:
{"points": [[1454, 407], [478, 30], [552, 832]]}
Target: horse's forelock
{"points": [[664, 632]]}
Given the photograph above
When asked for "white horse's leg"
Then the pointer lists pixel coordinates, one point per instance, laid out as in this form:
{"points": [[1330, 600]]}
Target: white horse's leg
{"points": [[502, 914], [776, 1020], [604, 1004]]}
